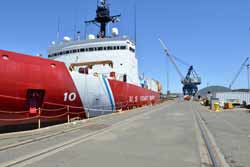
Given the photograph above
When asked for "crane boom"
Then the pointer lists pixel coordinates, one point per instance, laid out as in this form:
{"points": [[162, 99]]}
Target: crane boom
{"points": [[190, 81], [239, 71], [171, 59]]}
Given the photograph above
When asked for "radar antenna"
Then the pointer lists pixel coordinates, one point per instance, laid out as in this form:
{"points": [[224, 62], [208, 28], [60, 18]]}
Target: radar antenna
{"points": [[103, 18]]}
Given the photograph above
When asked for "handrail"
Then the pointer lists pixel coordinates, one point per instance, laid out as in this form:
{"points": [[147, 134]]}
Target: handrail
{"points": [[58, 109], [13, 112], [20, 119], [67, 112], [91, 64], [52, 117]]}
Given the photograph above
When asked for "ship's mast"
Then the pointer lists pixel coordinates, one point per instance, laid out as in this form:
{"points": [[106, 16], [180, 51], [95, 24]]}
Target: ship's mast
{"points": [[103, 18]]}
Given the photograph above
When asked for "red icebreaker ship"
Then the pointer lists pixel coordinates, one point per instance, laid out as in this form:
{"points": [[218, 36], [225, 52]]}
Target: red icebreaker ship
{"points": [[81, 78]]}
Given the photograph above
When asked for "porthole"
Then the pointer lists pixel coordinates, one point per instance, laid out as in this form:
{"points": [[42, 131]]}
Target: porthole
{"points": [[5, 57], [53, 65]]}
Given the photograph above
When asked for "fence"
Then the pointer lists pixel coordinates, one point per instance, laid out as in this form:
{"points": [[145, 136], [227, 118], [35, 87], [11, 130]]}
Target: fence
{"points": [[41, 113]]}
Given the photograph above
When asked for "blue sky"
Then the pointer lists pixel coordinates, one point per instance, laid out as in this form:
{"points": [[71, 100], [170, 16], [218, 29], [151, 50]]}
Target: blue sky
{"points": [[212, 35]]}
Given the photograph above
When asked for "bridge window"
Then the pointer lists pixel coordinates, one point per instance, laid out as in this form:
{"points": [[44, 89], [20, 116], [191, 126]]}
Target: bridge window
{"points": [[132, 49], [100, 48], [123, 47], [92, 49]]}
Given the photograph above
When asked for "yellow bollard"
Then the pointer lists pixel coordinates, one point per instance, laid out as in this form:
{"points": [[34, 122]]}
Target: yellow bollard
{"points": [[216, 107], [230, 105]]}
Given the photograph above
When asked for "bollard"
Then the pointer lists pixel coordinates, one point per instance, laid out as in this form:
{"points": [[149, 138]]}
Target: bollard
{"points": [[88, 115], [68, 114], [216, 107], [39, 118], [230, 105]]}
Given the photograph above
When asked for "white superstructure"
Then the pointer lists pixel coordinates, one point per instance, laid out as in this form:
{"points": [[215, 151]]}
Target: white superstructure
{"points": [[109, 57], [119, 50]]}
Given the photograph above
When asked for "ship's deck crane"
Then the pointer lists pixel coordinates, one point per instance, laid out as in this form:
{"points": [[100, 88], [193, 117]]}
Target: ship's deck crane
{"points": [[244, 64], [190, 81]]}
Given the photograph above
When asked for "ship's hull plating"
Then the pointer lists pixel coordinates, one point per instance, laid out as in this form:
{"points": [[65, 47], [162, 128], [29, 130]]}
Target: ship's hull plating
{"points": [[62, 91]]}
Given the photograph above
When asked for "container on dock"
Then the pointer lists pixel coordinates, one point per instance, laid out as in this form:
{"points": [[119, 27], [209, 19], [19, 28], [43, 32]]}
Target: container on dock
{"points": [[150, 84], [236, 98], [228, 105]]}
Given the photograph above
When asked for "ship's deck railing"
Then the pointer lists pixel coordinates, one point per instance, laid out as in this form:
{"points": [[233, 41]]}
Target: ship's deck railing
{"points": [[95, 42]]}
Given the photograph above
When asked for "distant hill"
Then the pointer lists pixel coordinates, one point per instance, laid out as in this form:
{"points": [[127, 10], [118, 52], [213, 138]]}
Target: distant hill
{"points": [[240, 90], [213, 89]]}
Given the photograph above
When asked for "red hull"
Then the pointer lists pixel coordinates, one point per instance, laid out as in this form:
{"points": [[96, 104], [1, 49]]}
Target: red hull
{"points": [[20, 73], [129, 96]]}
